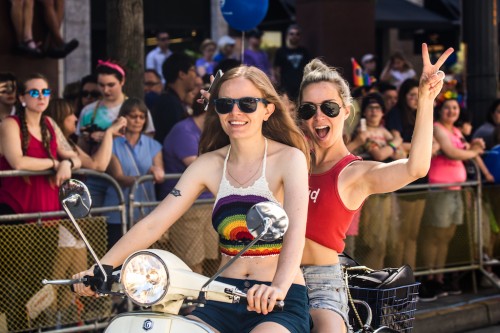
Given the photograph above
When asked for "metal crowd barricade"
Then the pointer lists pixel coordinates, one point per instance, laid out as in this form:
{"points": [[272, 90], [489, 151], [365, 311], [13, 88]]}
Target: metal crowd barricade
{"points": [[468, 237], [142, 204], [81, 172], [51, 249], [473, 256], [195, 225]]}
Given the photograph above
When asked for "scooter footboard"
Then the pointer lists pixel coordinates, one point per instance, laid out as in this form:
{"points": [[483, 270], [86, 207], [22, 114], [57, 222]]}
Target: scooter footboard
{"points": [[154, 322]]}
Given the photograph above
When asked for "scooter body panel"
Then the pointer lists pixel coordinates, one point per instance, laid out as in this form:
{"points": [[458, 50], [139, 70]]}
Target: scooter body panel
{"points": [[154, 322]]}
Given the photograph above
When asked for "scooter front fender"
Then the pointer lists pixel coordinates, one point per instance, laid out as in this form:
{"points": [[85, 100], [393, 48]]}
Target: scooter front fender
{"points": [[154, 322]]}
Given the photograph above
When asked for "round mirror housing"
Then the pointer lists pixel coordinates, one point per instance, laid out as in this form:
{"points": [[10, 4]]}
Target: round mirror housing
{"points": [[267, 220], [76, 197]]}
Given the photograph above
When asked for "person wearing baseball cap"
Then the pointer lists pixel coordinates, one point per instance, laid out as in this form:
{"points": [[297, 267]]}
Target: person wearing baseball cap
{"points": [[226, 48], [369, 63]]}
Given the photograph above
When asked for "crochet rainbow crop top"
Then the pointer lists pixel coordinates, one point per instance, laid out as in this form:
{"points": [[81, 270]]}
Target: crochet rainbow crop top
{"points": [[230, 209]]}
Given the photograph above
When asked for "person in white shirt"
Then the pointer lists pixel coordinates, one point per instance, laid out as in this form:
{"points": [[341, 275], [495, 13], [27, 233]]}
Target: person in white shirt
{"points": [[397, 70], [156, 57]]}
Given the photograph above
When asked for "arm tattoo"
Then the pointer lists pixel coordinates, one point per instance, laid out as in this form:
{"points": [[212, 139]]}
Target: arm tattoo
{"points": [[61, 140], [175, 192]]}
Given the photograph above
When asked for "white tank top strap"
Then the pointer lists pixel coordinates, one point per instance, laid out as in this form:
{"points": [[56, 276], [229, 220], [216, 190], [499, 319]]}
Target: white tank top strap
{"points": [[259, 187], [225, 163], [264, 160]]}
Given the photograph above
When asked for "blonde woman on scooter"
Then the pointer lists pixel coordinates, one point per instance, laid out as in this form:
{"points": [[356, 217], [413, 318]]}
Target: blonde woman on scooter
{"points": [[248, 145], [340, 182]]}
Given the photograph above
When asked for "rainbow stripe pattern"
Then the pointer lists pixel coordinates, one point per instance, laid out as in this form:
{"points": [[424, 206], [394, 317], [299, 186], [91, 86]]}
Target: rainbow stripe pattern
{"points": [[228, 218], [359, 78]]}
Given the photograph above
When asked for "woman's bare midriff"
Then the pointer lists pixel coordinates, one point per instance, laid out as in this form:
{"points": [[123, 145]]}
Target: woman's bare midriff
{"points": [[256, 268], [318, 255]]}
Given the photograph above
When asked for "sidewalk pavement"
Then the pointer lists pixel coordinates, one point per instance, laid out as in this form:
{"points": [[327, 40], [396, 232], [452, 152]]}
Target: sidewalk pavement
{"points": [[458, 313]]}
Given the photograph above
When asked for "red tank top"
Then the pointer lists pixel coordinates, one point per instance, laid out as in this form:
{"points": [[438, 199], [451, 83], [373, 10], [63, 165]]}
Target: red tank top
{"points": [[35, 193], [327, 217]]}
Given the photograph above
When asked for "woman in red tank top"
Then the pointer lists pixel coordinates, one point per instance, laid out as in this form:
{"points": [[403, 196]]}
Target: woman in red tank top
{"points": [[340, 182], [30, 141]]}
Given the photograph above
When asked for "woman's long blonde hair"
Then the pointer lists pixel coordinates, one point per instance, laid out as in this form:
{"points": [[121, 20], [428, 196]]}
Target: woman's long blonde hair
{"points": [[279, 127]]}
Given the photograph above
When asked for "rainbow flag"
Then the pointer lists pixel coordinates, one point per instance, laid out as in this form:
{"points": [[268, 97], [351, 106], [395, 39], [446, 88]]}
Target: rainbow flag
{"points": [[359, 78], [357, 74]]}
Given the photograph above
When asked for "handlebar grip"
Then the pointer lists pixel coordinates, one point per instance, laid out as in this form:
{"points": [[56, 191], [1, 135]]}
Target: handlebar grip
{"points": [[279, 306], [88, 281]]}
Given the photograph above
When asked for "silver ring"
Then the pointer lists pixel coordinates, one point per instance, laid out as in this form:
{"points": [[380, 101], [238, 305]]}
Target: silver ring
{"points": [[442, 74]]}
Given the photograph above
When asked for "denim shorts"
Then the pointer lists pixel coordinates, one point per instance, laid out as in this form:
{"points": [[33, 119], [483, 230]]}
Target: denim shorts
{"points": [[327, 290], [229, 318]]}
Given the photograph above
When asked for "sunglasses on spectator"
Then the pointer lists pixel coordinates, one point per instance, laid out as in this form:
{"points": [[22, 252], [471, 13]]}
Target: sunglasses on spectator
{"points": [[35, 93], [245, 104], [91, 93], [308, 110], [136, 116], [163, 39], [151, 83]]}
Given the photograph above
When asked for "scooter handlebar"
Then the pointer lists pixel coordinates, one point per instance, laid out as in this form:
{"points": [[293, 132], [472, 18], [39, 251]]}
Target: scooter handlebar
{"points": [[97, 282], [279, 306]]}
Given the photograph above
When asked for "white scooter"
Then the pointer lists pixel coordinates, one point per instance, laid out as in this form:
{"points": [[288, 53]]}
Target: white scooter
{"points": [[159, 279]]}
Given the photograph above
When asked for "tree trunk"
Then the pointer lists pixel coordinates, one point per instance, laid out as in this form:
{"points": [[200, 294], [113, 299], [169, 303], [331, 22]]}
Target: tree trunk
{"points": [[125, 39]]}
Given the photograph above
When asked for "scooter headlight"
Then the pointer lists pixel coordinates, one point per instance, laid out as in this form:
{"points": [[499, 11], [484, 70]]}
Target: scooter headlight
{"points": [[144, 277]]}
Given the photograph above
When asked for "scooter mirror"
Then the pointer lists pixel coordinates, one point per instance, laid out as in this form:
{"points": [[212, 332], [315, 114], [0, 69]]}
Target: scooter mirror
{"points": [[76, 197], [267, 217]]}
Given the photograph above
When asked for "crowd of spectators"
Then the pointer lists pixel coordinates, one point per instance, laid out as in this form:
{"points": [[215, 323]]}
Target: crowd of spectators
{"points": [[98, 127]]}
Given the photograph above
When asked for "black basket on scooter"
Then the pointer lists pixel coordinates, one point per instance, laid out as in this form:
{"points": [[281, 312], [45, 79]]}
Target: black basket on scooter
{"points": [[393, 307]]}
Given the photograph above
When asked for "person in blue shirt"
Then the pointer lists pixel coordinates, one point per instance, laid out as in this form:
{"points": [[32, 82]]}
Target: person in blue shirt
{"points": [[226, 49], [156, 57], [134, 155], [205, 65]]}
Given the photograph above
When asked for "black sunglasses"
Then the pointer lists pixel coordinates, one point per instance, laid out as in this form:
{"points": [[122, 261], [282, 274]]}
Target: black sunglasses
{"points": [[151, 83], [246, 104], [91, 93], [35, 93], [308, 110]]}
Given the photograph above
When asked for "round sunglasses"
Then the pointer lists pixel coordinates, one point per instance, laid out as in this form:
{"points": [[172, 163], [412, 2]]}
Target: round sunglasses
{"points": [[308, 110], [245, 104], [35, 93]]}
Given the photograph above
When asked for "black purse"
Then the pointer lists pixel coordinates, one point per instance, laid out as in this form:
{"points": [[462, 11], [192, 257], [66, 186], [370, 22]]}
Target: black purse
{"points": [[386, 278], [389, 292]]}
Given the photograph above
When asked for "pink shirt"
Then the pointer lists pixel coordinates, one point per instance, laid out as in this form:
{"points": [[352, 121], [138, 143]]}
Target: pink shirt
{"points": [[444, 169]]}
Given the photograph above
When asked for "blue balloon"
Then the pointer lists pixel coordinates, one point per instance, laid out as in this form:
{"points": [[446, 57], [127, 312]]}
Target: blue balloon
{"points": [[244, 14]]}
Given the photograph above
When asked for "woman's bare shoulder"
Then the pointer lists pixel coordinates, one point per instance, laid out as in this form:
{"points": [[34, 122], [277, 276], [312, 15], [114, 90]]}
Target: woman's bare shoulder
{"points": [[8, 122], [357, 169], [281, 149], [213, 158]]}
